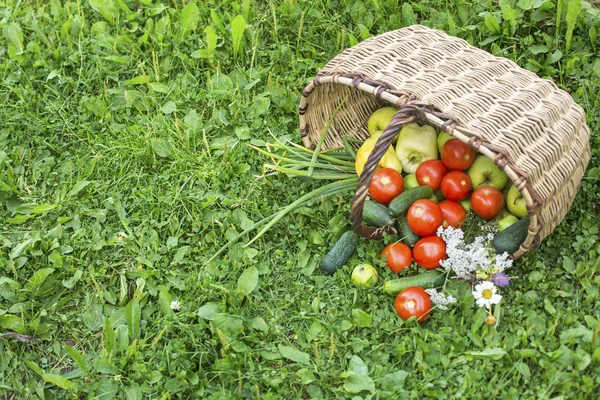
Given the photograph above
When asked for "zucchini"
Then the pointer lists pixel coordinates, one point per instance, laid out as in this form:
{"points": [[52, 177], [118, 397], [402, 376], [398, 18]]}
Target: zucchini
{"points": [[510, 239], [404, 200], [426, 280], [375, 214], [407, 235], [340, 253]]}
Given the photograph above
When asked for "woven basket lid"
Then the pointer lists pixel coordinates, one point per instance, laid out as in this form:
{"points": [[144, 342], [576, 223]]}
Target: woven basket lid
{"points": [[537, 129]]}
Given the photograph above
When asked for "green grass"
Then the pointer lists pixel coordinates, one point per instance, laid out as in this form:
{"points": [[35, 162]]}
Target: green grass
{"points": [[124, 166]]}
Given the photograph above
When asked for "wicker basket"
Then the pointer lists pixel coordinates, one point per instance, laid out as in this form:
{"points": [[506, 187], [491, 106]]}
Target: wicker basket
{"points": [[532, 130]]}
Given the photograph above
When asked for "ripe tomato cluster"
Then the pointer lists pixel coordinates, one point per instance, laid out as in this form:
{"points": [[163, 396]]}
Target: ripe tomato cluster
{"points": [[425, 216]]}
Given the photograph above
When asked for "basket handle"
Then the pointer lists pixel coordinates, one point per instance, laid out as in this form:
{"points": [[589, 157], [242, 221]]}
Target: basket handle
{"points": [[407, 114]]}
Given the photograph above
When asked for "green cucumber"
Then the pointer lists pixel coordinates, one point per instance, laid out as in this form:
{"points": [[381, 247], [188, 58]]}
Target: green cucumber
{"points": [[510, 239], [407, 235], [426, 280], [404, 200], [340, 253], [375, 214]]}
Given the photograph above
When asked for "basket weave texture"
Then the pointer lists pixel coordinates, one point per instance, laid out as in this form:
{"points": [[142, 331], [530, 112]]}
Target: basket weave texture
{"points": [[531, 129]]}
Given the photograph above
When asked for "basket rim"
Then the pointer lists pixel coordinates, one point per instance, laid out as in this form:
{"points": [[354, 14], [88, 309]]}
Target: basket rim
{"points": [[444, 122]]}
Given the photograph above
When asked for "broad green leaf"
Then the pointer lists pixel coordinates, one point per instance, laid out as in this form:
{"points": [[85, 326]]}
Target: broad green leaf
{"points": [[523, 369], [554, 57], [394, 381], [11, 323], [361, 318], [53, 379], [164, 300], [169, 107], [408, 15], [77, 356], [38, 278], [138, 80], [133, 315], [211, 40], [59, 381], [537, 49], [109, 336], [306, 376], [229, 324], [209, 311], [358, 366], [238, 26], [14, 35], [291, 353], [159, 87], [42, 208], [161, 147], [248, 280], [573, 10], [492, 24], [107, 8], [18, 249], [105, 366], [494, 353], [356, 383], [581, 334], [79, 186], [190, 16], [218, 21]]}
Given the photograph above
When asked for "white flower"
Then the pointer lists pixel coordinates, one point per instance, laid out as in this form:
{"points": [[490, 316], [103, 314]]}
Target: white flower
{"points": [[175, 305], [440, 299], [485, 294]]}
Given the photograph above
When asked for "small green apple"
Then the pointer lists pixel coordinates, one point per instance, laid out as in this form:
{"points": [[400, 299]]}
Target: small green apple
{"points": [[506, 222], [410, 181], [380, 119], [484, 172], [516, 202], [466, 203], [442, 138], [364, 275]]}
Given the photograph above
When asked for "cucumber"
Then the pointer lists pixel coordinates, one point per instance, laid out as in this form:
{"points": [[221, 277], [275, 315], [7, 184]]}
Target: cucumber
{"points": [[426, 280], [404, 200], [409, 238], [375, 214], [510, 239], [340, 253]]}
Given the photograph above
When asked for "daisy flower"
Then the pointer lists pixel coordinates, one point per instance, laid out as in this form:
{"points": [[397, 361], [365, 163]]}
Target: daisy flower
{"points": [[485, 294]]}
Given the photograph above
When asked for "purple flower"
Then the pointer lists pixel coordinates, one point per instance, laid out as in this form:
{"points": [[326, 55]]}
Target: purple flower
{"points": [[501, 279]]}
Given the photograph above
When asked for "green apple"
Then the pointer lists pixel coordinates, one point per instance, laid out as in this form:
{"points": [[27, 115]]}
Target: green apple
{"points": [[506, 222], [380, 119], [516, 202], [364, 275], [410, 181], [484, 172], [442, 138], [466, 203]]}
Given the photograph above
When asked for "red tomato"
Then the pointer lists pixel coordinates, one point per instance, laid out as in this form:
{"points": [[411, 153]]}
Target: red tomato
{"points": [[454, 213], [386, 184], [457, 156], [399, 256], [456, 185], [424, 217], [429, 251], [487, 202], [430, 173], [413, 302]]}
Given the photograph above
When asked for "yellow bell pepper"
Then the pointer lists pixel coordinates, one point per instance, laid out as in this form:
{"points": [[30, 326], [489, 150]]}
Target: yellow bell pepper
{"points": [[415, 145], [389, 159]]}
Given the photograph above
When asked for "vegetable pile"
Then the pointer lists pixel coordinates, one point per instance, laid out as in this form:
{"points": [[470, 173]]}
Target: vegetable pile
{"points": [[434, 192]]}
